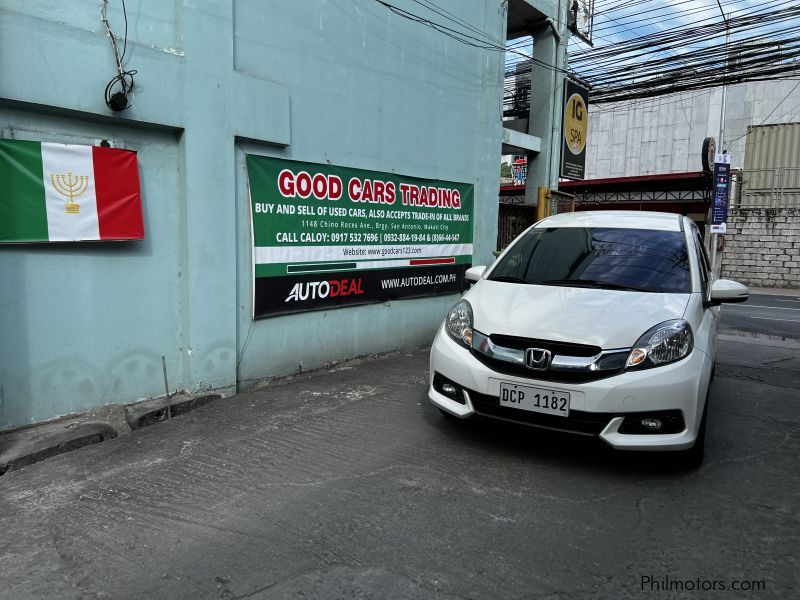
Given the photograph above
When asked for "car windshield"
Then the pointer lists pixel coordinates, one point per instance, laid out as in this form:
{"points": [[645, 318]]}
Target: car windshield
{"points": [[599, 257]]}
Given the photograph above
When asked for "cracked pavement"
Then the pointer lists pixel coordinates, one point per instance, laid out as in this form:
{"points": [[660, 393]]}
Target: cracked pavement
{"points": [[348, 484]]}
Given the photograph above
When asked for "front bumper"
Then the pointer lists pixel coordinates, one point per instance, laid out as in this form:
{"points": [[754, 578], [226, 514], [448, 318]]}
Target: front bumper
{"points": [[596, 408]]}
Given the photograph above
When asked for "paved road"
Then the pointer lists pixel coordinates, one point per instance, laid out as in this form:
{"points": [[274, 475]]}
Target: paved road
{"points": [[764, 314], [350, 485]]}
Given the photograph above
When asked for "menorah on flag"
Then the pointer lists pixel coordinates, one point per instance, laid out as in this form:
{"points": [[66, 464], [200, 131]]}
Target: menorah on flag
{"points": [[70, 186]]}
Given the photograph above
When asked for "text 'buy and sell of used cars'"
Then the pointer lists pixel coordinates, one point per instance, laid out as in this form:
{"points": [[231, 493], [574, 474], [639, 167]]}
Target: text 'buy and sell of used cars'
{"points": [[595, 323]]}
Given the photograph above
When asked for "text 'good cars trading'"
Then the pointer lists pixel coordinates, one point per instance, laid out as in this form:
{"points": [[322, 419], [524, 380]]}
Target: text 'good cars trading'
{"points": [[595, 323]]}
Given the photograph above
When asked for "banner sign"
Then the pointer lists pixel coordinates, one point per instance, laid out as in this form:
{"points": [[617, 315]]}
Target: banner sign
{"points": [[576, 118], [722, 175], [327, 236], [68, 193]]}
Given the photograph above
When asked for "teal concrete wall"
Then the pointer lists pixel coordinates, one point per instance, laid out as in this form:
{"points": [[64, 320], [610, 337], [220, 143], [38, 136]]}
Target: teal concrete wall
{"points": [[344, 81], [86, 324]]}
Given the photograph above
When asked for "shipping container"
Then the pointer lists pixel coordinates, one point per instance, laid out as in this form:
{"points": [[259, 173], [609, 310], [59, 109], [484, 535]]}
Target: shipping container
{"points": [[771, 174]]}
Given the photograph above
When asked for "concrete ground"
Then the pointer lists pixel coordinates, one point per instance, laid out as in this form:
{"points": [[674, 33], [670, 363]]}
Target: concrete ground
{"points": [[350, 485]]}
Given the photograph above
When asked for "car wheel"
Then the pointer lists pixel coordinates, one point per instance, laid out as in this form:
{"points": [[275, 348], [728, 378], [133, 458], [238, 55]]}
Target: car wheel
{"points": [[693, 457]]}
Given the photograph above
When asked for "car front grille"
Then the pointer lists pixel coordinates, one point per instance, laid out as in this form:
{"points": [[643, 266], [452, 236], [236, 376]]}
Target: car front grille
{"points": [[562, 348], [568, 362], [577, 376]]}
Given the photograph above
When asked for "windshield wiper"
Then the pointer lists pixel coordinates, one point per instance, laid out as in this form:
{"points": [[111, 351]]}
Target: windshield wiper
{"points": [[508, 279], [594, 284]]}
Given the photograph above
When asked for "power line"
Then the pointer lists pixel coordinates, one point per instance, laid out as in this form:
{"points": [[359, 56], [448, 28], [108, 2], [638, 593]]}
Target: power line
{"points": [[639, 68], [465, 38], [456, 19], [772, 112]]}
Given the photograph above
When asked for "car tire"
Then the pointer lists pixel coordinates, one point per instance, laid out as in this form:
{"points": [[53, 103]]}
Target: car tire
{"points": [[693, 457]]}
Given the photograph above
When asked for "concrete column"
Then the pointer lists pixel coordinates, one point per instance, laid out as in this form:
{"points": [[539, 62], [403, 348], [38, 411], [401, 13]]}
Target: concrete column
{"points": [[545, 108], [209, 309]]}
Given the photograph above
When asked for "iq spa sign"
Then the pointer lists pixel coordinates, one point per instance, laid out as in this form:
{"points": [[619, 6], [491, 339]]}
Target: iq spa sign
{"points": [[327, 236]]}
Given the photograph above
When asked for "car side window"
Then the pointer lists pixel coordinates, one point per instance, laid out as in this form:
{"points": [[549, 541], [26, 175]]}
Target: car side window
{"points": [[702, 260], [703, 252]]}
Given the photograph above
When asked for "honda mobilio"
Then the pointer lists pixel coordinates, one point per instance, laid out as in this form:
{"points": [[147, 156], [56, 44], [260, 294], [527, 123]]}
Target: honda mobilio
{"points": [[595, 323]]}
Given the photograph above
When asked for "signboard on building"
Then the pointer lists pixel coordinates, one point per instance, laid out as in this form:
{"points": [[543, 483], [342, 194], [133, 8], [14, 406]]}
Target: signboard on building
{"points": [[722, 176], [327, 236], [576, 115]]}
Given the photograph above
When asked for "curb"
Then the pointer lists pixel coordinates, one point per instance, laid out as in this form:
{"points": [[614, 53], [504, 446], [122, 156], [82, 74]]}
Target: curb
{"points": [[775, 291], [26, 446], [746, 337], [151, 412]]}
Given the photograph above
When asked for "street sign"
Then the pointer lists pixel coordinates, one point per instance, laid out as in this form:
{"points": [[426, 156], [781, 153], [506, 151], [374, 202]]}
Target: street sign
{"points": [[722, 176], [576, 117]]}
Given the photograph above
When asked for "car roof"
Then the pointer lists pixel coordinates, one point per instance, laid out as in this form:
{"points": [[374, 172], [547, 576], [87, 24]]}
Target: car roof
{"points": [[627, 219]]}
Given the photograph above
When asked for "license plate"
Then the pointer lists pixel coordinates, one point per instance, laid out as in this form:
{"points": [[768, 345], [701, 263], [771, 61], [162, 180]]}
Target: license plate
{"points": [[523, 397]]}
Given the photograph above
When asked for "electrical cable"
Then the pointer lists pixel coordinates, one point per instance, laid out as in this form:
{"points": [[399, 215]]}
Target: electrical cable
{"points": [[119, 91], [125, 41], [670, 60], [455, 19], [765, 44], [772, 112], [676, 38], [464, 38]]}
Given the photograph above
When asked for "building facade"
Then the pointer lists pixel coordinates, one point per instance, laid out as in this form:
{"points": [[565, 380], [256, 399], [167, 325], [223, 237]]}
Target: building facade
{"points": [[344, 84], [665, 135]]}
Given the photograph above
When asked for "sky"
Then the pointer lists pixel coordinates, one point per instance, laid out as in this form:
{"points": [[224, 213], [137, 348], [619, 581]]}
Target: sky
{"points": [[621, 20]]}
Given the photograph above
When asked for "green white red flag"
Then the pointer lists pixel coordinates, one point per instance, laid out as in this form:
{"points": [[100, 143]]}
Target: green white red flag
{"points": [[68, 193]]}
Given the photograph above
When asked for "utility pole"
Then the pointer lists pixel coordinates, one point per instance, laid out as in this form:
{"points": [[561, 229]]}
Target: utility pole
{"points": [[721, 143]]}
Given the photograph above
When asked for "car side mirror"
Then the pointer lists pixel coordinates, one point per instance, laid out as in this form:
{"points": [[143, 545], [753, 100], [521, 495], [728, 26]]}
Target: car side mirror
{"points": [[474, 274], [727, 291]]}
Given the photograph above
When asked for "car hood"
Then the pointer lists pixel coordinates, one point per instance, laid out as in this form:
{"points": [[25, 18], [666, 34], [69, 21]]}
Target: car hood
{"points": [[605, 318]]}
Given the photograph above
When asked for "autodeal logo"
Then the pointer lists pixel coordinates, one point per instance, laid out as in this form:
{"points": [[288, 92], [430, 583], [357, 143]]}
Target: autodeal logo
{"points": [[313, 290]]}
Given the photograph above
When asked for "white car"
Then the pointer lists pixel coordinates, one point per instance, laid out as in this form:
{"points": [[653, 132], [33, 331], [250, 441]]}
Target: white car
{"points": [[596, 323]]}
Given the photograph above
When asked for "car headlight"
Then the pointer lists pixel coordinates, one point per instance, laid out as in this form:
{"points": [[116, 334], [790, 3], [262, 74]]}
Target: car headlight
{"points": [[459, 323], [665, 343]]}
